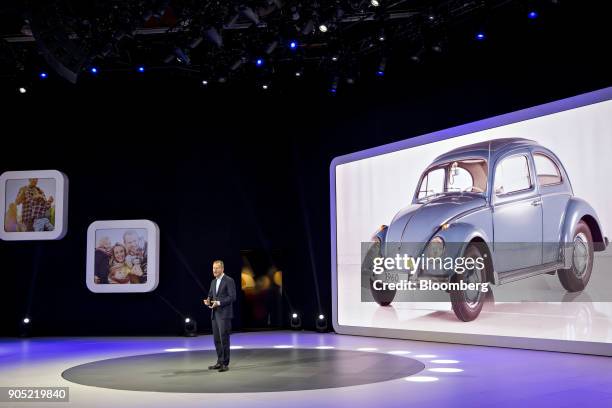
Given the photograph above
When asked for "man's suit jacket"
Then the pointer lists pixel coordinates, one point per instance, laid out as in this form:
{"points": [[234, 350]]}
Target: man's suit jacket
{"points": [[226, 295]]}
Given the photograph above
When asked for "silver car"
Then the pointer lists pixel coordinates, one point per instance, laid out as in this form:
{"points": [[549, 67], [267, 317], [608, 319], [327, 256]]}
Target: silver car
{"points": [[509, 201]]}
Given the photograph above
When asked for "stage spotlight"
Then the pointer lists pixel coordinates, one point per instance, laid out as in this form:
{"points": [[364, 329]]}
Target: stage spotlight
{"points": [[204, 82], [381, 68], [374, 3], [141, 69], [264, 87], [296, 321], [259, 62], [381, 35], [332, 90], [431, 17], [181, 56], [480, 36], [321, 324], [416, 57], [25, 327], [191, 327], [43, 75], [532, 14], [298, 74], [293, 45], [93, 70], [323, 28], [334, 58], [22, 90]]}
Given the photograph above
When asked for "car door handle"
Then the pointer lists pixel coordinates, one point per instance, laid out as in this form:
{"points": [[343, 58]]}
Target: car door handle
{"points": [[535, 203]]}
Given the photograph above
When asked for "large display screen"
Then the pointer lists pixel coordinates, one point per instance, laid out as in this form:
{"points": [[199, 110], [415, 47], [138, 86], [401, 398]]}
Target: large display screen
{"points": [[493, 232]]}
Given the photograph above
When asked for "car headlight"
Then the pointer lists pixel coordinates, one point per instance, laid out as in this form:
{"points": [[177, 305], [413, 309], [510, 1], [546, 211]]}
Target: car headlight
{"points": [[435, 247]]}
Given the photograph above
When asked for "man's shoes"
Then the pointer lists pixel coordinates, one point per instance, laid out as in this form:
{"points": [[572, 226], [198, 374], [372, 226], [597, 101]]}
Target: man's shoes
{"points": [[223, 368], [215, 367]]}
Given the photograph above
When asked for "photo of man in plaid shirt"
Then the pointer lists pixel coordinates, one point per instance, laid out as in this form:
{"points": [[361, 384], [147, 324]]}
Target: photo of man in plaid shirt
{"points": [[35, 207]]}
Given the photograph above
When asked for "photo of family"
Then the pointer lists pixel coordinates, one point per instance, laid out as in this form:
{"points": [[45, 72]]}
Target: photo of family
{"points": [[30, 205], [120, 256]]}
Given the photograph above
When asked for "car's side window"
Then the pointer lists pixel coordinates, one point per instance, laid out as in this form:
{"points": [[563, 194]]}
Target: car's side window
{"points": [[546, 170], [512, 175]]}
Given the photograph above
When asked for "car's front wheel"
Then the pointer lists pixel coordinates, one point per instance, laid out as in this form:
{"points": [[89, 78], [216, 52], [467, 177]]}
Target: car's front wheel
{"points": [[467, 304], [576, 278], [382, 297]]}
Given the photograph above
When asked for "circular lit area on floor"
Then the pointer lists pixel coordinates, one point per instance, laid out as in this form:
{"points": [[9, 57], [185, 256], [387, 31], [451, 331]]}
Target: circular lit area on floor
{"points": [[251, 370]]}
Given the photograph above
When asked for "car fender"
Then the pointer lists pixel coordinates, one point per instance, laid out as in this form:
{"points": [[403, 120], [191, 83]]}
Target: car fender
{"points": [[576, 210], [459, 234]]}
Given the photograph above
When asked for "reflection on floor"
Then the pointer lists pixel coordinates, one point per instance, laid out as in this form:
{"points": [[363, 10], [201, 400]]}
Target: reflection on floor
{"points": [[454, 375], [582, 316]]}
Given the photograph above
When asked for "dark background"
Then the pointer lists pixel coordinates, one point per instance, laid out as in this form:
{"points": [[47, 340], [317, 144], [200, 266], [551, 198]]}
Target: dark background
{"points": [[230, 168]]}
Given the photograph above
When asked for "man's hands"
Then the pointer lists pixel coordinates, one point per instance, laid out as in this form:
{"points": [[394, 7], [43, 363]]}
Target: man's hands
{"points": [[213, 304]]}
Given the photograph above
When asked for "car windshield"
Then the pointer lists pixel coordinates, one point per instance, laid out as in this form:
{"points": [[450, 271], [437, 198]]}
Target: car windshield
{"points": [[461, 176]]}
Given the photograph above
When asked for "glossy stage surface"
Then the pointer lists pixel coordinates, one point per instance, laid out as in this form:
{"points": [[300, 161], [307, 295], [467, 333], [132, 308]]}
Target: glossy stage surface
{"points": [[302, 369]]}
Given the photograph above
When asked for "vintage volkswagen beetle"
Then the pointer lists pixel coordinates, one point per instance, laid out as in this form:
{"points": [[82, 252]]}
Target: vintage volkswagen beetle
{"points": [[509, 201]]}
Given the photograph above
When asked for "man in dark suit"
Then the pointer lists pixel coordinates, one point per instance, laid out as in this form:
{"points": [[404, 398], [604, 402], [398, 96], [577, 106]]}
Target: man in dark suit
{"points": [[221, 296]]}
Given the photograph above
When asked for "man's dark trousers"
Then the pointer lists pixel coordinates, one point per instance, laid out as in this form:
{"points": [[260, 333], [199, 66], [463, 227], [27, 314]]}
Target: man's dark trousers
{"points": [[221, 332]]}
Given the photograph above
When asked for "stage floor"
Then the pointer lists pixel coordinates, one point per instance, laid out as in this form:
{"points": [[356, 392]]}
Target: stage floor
{"points": [[302, 369]]}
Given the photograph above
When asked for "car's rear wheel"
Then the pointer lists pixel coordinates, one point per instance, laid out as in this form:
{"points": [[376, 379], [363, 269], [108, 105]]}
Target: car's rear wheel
{"points": [[576, 278], [467, 304]]}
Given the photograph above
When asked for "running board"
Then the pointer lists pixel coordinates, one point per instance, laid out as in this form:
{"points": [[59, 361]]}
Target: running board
{"points": [[518, 274]]}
